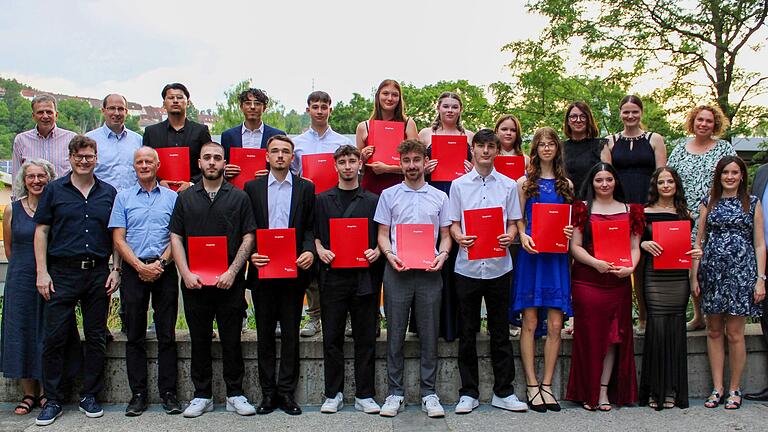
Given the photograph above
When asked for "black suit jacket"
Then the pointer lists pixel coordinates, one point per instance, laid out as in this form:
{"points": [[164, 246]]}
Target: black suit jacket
{"points": [[761, 180], [301, 216], [194, 136]]}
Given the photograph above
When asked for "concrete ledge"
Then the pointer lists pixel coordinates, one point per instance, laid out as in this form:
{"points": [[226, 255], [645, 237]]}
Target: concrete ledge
{"points": [[310, 387]]}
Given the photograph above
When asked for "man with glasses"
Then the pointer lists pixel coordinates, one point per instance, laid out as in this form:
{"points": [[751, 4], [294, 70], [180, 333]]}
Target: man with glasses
{"points": [[116, 144], [72, 249]]}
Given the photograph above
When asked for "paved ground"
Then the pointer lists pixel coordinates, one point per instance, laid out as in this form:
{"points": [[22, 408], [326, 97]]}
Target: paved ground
{"points": [[751, 417]]}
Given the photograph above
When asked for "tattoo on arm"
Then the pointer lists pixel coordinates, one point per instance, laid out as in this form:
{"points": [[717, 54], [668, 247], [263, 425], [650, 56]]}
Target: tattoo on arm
{"points": [[246, 247]]}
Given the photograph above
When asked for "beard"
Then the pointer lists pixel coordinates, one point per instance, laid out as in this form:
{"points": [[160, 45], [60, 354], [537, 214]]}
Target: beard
{"points": [[213, 176]]}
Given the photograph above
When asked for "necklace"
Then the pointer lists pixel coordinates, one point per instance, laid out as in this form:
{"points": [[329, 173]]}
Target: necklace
{"points": [[29, 207]]}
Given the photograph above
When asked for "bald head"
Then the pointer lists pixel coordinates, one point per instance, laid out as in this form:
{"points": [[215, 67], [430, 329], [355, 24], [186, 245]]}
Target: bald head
{"points": [[145, 163]]}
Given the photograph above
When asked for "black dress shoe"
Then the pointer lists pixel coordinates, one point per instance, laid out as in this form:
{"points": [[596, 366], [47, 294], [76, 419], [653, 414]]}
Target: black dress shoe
{"points": [[268, 404], [137, 405], [171, 405], [288, 405], [761, 396]]}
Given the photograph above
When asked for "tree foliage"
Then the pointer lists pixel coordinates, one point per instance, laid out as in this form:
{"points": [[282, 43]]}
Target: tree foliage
{"points": [[78, 115], [229, 113], [346, 116], [421, 103]]}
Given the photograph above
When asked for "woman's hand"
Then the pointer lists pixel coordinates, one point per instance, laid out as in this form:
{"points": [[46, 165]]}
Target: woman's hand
{"points": [[366, 152], [602, 266], [651, 247], [759, 290], [527, 243], [622, 272]]}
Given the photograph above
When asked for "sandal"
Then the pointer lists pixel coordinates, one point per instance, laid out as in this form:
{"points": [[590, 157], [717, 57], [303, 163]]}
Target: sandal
{"points": [[731, 403], [669, 402], [653, 404], [42, 400], [26, 405], [604, 407], [550, 406], [535, 407], [588, 408], [714, 399]]}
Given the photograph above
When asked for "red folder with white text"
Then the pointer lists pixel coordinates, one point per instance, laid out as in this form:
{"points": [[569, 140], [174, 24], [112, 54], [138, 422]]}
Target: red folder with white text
{"points": [[349, 241], [675, 238], [279, 245], [612, 242], [547, 224], [319, 168], [511, 166], [249, 160], [174, 164], [487, 224], [385, 136], [208, 257], [450, 151], [416, 245]]}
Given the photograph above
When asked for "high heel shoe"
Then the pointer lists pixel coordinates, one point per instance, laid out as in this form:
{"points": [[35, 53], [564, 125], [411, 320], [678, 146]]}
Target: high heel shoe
{"points": [[550, 406], [604, 407], [535, 407]]}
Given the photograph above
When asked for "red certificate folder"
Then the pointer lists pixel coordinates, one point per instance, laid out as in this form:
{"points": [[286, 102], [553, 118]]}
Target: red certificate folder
{"points": [[280, 246], [174, 164], [385, 136], [547, 224], [487, 224], [208, 257], [450, 152], [511, 166], [320, 169], [349, 241], [416, 245], [249, 160], [675, 238], [612, 242]]}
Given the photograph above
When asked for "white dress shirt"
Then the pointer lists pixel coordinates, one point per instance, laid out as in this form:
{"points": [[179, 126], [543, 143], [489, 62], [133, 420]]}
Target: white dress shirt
{"points": [[252, 138], [311, 142], [279, 200]]}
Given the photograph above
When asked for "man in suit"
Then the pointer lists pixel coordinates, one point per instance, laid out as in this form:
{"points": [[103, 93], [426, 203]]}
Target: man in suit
{"points": [[253, 133], [178, 131], [759, 190], [281, 200]]}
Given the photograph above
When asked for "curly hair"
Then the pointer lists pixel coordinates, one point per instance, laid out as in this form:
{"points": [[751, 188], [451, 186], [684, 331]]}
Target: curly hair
{"points": [[721, 121], [531, 185], [18, 182]]}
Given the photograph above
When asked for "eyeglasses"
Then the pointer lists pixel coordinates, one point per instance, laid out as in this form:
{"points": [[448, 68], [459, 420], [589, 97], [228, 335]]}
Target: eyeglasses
{"points": [[577, 117], [32, 177], [115, 109], [548, 145], [80, 158]]}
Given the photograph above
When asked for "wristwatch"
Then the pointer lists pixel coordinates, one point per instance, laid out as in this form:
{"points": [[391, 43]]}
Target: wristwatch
{"points": [[163, 263], [762, 276]]}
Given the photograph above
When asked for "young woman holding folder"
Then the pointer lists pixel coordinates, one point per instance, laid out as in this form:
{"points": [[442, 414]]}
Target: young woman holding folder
{"points": [[664, 376], [602, 359], [731, 274], [542, 280]]}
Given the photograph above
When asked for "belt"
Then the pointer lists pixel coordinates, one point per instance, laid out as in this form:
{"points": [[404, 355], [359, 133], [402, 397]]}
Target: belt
{"points": [[149, 260], [82, 263]]}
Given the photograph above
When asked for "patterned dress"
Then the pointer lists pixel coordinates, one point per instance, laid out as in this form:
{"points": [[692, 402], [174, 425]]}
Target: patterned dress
{"points": [[728, 269]]}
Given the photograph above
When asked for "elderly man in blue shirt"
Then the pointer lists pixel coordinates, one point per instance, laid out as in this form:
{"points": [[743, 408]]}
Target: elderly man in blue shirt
{"points": [[139, 221]]}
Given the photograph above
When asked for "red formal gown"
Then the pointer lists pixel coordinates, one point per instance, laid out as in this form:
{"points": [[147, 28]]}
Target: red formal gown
{"points": [[602, 310]]}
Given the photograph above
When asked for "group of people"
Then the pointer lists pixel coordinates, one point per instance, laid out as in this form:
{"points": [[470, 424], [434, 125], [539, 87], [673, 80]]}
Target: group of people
{"points": [[83, 199]]}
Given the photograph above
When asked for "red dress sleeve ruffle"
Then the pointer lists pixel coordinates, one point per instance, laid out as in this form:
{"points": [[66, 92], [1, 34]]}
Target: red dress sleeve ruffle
{"points": [[636, 219], [579, 215]]}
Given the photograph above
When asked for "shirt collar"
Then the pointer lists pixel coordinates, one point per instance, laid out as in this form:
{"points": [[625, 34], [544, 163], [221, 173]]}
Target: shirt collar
{"points": [[109, 133], [422, 189], [170, 127], [271, 179], [51, 134], [244, 129], [68, 179], [314, 133], [140, 189], [474, 175]]}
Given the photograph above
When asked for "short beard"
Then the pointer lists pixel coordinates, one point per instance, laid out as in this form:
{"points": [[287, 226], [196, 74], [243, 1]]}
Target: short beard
{"points": [[214, 176]]}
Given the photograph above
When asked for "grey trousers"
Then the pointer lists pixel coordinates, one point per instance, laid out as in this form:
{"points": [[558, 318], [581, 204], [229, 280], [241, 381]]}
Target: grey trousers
{"points": [[423, 290]]}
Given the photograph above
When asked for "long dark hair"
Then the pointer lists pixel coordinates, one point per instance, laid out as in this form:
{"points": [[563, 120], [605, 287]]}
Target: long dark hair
{"points": [[588, 190], [681, 209], [531, 185], [716, 192]]}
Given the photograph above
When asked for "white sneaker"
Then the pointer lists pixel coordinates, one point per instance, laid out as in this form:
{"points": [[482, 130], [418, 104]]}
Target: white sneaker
{"points": [[466, 405], [311, 328], [278, 331], [198, 406], [510, 403], [430, 404], [348, 328], [240, 405], [367, 405], [333, 405], [392, 405]]}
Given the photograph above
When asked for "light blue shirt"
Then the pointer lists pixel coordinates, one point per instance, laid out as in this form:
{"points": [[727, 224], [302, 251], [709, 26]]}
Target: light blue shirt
{"points": [[400, 204], [146, 217], [472, 191], [115, 156], [279, 200], [311, 142], [252, 138]]}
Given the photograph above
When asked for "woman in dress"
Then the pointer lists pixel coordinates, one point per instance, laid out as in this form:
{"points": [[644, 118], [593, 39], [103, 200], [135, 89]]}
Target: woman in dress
{"points": [[22, 323], [664, 376], [731, 274], [541, 280], [447, 122], [695, 162], [602, 358], [583, 148]]}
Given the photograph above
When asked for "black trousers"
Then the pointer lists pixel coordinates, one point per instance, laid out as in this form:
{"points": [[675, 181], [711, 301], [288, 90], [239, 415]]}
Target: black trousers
{"points": [[338, 297], [75, 286], [201, 307], [136, 294], [470, 293], [278, 300]]}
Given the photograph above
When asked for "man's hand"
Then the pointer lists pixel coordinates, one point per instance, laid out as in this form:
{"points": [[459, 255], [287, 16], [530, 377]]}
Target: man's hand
{"points": [[465, 241], [437, 264], [231, 171], [372, 254], [149, 272], [505, 240], [226, 280], [113, 282], [305, 260], [192, 281], [325, 255], [44, 285], [395, 262], [259, 260]]}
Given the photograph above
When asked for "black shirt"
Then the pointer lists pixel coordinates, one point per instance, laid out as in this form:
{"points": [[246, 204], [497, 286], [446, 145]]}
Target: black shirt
{"points": [[79, 225], [346, 196], [229, 214], [192, 135], [579, 158]]}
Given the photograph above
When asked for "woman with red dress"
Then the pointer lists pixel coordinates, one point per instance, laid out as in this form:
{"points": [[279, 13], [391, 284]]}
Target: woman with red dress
{"points": [[602, 357]]}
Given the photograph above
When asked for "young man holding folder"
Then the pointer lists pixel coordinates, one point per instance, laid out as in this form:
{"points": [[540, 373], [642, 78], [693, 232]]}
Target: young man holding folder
{"points": [[346, 287], [412, 202], [217, 212], [281, 200], [489, 276]]}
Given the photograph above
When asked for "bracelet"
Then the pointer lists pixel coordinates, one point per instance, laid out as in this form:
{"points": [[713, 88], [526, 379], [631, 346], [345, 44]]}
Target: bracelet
{"points": [[387, 252], [442, 252], [118, 270]]}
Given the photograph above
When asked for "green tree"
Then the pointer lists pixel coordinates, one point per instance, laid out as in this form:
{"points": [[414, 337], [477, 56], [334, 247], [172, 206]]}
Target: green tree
{"points": [[78, 115], [346, 116], [421, 103], [192, 112], [229, 113], [132, 123]]}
